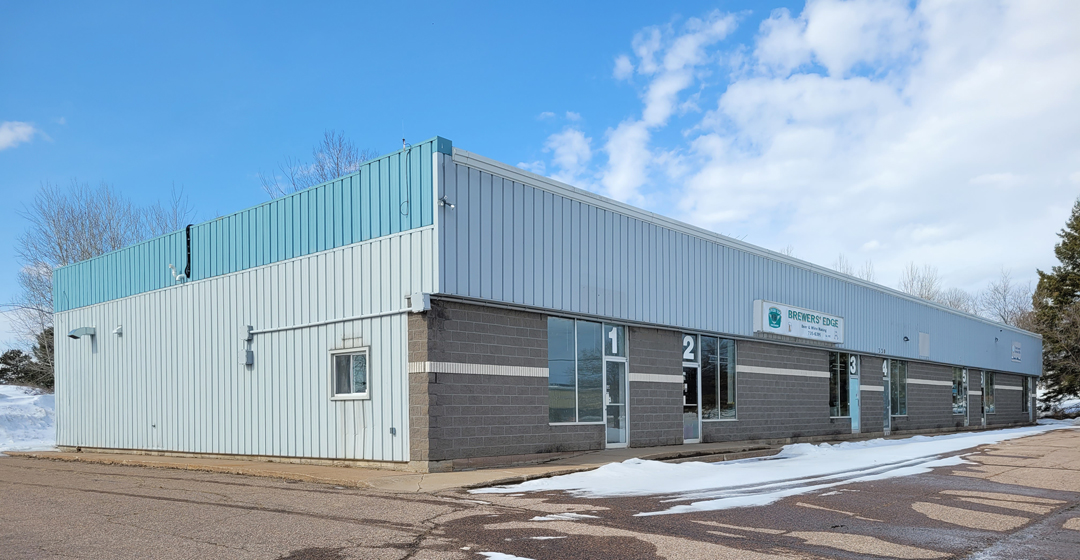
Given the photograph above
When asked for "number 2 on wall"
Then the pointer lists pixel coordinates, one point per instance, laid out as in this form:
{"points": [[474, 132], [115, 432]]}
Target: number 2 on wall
{"points": [[688, 345]]}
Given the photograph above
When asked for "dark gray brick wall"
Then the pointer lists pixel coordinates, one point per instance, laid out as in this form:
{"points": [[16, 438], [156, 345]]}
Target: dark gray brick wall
{"points": [[779, 406], [655, 408], [872, 404], [928, 406], [1008, 401], [459, 416]]}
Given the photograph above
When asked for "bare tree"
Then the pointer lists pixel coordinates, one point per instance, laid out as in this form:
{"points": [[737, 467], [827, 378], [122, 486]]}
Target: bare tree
{"points": [[788, 251], [866, 272], [843, 266], [335, 156], [72, 225], [921, 282], [958, 299], [160, 219], [1006, 301]]}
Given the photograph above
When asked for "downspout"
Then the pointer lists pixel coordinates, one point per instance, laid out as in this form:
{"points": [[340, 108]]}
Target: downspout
{"points": [[187, 267]]}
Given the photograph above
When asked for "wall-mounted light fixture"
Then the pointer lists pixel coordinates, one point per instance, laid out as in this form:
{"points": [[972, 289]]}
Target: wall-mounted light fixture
{"points": [[906, 339], [81, 332], [119, 330], [444, 202]]}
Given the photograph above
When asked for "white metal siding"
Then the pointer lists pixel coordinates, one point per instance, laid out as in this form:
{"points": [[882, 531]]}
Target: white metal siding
{"points": [[517, 238], [173, 380]]}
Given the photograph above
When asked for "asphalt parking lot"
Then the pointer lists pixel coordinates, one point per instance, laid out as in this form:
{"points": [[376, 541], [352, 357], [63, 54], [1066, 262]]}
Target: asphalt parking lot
{"points": [[1016, 499]]}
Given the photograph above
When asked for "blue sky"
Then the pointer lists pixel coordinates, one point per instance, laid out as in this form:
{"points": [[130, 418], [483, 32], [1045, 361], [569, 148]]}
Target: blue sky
{"points": [[886, 131]]}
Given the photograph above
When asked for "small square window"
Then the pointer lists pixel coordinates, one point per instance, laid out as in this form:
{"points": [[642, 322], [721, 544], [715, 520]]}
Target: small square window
{"points": [[350, 374]]}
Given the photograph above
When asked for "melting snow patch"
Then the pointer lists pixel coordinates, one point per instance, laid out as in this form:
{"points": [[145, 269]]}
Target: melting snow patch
{"points": [[797, 469], [563, 517], [546, 538], [501, 556], [27, 419]]}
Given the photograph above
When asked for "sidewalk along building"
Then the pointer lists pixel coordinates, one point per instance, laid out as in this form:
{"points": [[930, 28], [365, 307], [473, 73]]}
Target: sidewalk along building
{"points": [[439, 310]]}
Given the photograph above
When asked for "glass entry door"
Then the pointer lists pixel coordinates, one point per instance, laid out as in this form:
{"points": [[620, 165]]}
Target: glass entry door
{"points": [[616, 386], [691, 431], [854, 400], [888, 397], [615, 402]]}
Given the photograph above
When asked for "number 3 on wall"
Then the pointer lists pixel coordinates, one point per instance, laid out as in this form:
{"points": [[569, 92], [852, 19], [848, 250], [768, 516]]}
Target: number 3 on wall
{"points": [[688, 348]]}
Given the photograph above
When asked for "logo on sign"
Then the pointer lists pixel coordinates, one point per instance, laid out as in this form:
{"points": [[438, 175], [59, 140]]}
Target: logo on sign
{"points": [[774, 318]]}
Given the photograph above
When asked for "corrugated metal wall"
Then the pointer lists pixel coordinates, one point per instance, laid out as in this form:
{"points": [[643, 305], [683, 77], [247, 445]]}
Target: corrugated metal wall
{"points": [[515, 238], [385, 196], [173, 380]]}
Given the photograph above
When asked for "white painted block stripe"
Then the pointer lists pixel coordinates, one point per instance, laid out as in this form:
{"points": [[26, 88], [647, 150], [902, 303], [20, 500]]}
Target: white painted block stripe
{"points": [[872, 388], [974, 393], [656, 378], [782, 371], [1010, 387], [930, 382], [476, 369]]}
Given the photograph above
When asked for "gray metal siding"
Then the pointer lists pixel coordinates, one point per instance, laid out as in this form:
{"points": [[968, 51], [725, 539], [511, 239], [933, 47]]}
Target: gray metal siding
{"points": [[172, 381], [516, 238]]}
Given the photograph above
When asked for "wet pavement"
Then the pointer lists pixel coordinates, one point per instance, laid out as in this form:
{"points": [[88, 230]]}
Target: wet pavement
{"points": [[1017, 499]]}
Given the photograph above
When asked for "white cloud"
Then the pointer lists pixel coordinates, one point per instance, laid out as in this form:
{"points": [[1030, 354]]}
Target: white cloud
{"points": [[937, 132], [943, 134], [537, 167], [545, 115], [624, 69], [571, 153], [13, 133], [572, 116]]}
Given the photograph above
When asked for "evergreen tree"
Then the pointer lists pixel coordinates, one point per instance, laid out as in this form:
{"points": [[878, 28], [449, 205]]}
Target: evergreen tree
{"points": [[14, 367], [1057, 314]]}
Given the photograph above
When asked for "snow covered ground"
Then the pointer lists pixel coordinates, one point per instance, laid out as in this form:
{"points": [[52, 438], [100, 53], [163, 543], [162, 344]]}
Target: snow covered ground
{"points": [[27, 419], [797, 469]]}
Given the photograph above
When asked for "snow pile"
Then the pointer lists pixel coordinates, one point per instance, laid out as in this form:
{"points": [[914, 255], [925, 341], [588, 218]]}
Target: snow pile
{"points": [[27, 419], [797, 469]]}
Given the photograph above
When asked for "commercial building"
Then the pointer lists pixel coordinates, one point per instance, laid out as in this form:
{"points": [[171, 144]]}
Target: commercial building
{"points": [[439, 310]]}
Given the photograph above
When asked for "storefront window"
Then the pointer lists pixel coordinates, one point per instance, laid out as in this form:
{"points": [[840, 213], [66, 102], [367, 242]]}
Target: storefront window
{"points": [[959, 391], [576, 352], [898, 387], [839, 393], [717, 378]]}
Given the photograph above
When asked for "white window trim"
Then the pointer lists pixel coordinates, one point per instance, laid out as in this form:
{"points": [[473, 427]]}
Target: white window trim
{"points": [[366, 351]]}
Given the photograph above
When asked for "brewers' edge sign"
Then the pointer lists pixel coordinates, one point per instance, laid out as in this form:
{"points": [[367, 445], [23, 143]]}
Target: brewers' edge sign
{"points": [[777, 318]]}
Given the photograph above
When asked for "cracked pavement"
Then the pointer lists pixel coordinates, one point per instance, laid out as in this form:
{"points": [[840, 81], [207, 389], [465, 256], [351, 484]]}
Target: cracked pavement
{"points": [[1016, 499]]}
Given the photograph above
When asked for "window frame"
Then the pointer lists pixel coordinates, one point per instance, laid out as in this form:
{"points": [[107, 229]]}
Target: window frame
{"points": [[965, 379], [604, 357], [841, 362], [365, 396], [894, 386], [1025, 394], [732, 366]]}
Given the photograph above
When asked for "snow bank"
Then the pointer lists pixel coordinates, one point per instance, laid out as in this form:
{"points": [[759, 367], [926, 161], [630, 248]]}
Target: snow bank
{"points": [[27, 419], [797, 469]]}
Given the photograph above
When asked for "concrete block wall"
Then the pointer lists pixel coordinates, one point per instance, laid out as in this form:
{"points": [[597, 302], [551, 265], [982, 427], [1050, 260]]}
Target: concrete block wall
{"points": [[928, 406], [771, 406], [1008, 402], [873, 402], [655, 408], [456, 418]]}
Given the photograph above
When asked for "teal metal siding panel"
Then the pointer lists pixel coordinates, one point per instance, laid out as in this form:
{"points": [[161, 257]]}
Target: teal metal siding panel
{"points": [[387, 195]]}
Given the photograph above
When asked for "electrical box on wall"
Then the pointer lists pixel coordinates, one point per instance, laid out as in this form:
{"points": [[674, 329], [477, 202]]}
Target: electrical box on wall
{"points": [[419, 302], [247, 357]]}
